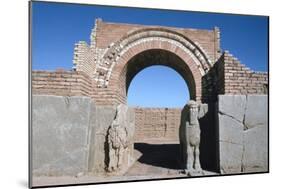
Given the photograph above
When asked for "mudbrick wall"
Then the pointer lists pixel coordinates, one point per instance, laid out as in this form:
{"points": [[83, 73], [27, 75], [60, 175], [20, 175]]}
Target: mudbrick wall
{"points": [[107, 33], [239, 79], [157, 123], [109, 42], [61, 83], [229, 76], [95, 75]]}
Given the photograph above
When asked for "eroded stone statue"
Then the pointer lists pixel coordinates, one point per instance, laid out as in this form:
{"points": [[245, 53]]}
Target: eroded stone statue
{"points": [[117, 140], [189, 133]]}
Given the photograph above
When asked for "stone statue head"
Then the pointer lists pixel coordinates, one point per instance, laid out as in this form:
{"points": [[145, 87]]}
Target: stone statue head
{"points": [[193, 111]]}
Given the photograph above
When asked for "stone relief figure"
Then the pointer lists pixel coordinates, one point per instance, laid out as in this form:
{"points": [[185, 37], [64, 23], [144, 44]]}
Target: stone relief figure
{"points": [[189, 134], [117, 140]]}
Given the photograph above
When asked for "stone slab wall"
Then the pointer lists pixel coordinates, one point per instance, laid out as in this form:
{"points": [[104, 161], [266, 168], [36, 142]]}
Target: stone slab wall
{"points": [[69, 135], [104, 116], [157, 123], [243, 133], [60, 135]]}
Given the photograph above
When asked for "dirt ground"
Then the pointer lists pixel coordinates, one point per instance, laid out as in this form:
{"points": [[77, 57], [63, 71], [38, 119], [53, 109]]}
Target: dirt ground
{"points": [[155, 160]]}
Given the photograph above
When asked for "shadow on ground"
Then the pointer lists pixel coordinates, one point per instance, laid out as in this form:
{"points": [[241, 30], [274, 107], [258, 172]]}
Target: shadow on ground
{"points": [[159, 155], [167, 156]]}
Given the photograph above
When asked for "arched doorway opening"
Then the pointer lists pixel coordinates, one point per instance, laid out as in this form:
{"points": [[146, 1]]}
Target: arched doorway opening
{"points": [[157, 94], [156, 128], [125, 59], [158, 86], [154, 57]]}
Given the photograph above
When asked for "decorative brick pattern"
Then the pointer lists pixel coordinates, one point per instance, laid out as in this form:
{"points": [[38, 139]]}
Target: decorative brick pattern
{"points": [[117, 52], [107, 33], [157, 123], [114, 45], [147, 37]]}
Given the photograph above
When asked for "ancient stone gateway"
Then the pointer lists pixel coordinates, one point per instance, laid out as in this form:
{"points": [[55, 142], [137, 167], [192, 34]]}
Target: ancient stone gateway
{"points": [[116, 62], [233, 135]]}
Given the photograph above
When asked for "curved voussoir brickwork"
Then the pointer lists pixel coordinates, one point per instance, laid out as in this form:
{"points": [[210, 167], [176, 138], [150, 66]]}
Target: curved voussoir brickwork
{"points": [[155, 52], [150, 38]]}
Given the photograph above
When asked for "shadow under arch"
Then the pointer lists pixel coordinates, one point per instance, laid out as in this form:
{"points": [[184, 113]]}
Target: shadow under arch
{"points": [[157, 56]]}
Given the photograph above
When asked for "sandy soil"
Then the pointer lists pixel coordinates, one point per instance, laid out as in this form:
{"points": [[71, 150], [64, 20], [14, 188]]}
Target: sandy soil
{"points": [[155, 160]]}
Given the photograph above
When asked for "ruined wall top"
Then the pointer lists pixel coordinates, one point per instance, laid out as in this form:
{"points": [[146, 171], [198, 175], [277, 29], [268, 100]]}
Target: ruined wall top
{"points": [[104, 34]]}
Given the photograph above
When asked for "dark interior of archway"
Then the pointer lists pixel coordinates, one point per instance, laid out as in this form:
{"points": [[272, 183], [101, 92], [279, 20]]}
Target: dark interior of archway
{"points": [[159, 57], [166, 155]]}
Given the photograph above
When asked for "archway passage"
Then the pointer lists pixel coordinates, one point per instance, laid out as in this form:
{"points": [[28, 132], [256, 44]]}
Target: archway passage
{"points": [[147, 52], [156, 57], [157, 119], [131, 60], [157, 143], [158, 86]]}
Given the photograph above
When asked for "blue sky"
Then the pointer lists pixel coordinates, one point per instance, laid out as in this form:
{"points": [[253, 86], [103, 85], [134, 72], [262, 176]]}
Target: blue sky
{"points": [[57, 27]]}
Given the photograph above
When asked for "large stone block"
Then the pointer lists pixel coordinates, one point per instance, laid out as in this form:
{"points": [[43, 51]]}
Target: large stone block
{"points": [[256, 111], [230, 157], [243, 134], [60, 135], [232, 105], [104, 117], [231, 130], [255, 157]]}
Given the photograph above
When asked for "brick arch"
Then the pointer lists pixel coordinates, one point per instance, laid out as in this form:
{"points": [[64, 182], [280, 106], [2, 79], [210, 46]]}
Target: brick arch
{"points": [[129, 64], [149, 36]]}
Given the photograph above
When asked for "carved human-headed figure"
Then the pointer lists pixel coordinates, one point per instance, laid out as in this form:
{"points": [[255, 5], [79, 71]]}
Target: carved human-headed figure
{"points": [[190, 137], [117, 141]]}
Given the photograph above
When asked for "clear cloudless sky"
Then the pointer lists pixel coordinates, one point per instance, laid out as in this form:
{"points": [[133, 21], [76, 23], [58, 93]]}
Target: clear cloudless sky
{"points": [[56, 27]]}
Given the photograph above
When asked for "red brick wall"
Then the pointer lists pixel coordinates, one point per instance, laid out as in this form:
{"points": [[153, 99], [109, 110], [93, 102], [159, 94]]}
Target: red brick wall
{"points": [[61, 83], [229, 76], [187, 68], [157, 124], [239, 79], [213, 82], [106, 33]]}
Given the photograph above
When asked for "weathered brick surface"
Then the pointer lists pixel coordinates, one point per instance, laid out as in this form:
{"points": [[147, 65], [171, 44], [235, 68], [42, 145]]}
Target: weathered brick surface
{"points": [[107, 33], [84, 59], [229, 76], [213, 82], [157, 123], [61, 83], [239, 79], [117, 52]]}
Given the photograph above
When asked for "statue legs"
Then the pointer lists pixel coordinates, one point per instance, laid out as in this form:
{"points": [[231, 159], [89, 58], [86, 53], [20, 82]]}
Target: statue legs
{"points": [[120, 157], [112, 160], [190, 157], [197, 165], [193, 167]]}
